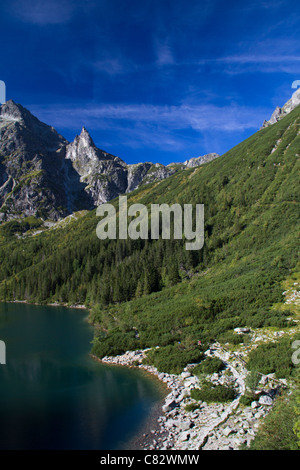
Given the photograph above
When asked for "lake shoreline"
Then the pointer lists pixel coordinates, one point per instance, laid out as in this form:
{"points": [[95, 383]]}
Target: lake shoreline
{"points": [[143, 438], [53, 304]]}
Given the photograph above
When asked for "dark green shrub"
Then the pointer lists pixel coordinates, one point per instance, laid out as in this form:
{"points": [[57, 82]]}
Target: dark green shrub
{"points": [[247, 399], [272, 358], [276, 432], [210, 365], [191, 407], [173, 358], [115, 344], [252, 380], [219, 393], [233, 338]]}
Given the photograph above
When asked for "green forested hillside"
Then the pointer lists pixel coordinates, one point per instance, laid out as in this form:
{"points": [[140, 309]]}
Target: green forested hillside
{"points": [[154, 292]]}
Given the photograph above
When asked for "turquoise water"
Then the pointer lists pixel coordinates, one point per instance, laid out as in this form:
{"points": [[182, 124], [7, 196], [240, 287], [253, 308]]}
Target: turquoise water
{"points": [[53, 395]]}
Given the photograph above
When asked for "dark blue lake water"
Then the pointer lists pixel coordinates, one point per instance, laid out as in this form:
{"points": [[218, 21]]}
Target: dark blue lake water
{"points": [[53, 395]]}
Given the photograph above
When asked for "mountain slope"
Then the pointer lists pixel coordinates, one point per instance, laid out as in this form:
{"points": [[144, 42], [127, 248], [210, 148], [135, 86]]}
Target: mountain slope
{"points": [[252, 209], [155, 292]]}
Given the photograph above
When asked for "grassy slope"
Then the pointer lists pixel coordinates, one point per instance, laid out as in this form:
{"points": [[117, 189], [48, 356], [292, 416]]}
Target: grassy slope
{"points": [[251, 199]]}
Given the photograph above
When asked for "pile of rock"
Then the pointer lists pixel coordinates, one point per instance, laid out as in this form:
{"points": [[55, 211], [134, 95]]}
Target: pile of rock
{"points": [[240, 428], [129, 358], [292, 295]]}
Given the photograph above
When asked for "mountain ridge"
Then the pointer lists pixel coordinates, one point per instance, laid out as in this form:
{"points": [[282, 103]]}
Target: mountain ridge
{"points": [[44, 175]]}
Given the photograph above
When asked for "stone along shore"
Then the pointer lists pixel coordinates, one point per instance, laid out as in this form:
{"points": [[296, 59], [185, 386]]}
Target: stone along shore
{"points": [[211, 426]]}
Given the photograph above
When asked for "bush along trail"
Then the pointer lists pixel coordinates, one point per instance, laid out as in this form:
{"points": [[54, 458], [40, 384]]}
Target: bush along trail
{"points": [[206, 409]]}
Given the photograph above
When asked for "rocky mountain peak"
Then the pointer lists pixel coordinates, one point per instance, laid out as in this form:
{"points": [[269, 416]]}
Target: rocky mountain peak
{"points": [[293, 102], [85, 138], [279, 113], [84, 154], [10, 111], [18, 124]]}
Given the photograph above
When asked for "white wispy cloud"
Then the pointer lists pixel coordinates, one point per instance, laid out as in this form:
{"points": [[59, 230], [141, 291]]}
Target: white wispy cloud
{"points": [[240, 63], [198, 117], [153, 125]]}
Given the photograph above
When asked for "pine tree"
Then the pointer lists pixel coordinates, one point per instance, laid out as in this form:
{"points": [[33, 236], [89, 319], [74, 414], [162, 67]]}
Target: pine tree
{"points": [[139, 289], [173, 273]]}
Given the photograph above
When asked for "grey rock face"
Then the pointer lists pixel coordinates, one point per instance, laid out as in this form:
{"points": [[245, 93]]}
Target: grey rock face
{"points": [[102, 175], [135, 174], [44, 175], [279, 113], [157, 172], [193, 162], [31, 155]]}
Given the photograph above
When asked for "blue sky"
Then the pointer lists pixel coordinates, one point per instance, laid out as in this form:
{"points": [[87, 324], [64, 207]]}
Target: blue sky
{"points": [[152, 80]]}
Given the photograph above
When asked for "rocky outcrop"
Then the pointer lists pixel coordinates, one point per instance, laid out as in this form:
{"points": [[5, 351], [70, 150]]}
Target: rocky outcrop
{"points": [[279, 113], [135, 174], [194, 162], [102, 175]]}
